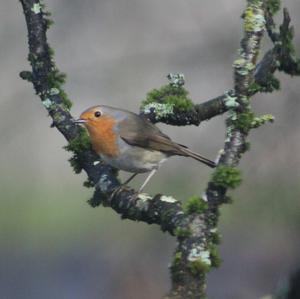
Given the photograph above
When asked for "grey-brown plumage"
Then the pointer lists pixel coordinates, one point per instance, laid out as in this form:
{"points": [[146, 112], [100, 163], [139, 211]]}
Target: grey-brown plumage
{"points": [[138, 131], [129, 142]]}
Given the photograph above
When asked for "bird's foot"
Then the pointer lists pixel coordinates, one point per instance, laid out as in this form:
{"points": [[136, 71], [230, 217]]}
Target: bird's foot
{"points": [[119, 189], [134, 195]]}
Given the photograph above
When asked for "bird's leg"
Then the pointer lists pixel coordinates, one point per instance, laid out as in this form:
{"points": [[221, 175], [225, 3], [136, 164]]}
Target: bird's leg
{"points": [[130, 178], [135, 196], [147, 180], [119, 188]]}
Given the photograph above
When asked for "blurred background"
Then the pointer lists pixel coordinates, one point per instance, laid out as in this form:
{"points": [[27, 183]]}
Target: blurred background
{"points": [[53, 244]]}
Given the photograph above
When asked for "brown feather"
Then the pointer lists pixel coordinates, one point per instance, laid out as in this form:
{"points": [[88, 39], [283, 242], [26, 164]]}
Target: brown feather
{"points": [[138, 131]]}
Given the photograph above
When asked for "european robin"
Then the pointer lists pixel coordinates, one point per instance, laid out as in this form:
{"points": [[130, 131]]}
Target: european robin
{"points": [[129, 142]]}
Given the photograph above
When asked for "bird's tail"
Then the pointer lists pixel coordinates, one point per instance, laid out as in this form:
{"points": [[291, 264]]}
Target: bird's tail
{"points": [[188, 153]]}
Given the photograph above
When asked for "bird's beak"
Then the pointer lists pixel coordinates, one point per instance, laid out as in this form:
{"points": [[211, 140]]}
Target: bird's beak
{"points": [[79, 121]]}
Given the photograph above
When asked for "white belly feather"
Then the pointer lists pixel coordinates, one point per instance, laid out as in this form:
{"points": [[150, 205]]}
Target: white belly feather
{"points": [[135, 159]]}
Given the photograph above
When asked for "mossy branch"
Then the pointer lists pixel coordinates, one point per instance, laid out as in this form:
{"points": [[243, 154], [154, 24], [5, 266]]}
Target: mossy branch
{"points": [[195, 223]]}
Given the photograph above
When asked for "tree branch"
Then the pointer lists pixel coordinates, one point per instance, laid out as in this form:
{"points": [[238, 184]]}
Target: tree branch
{"points": [[47, 81], [198, 252], [282, 57], [195, 223]]}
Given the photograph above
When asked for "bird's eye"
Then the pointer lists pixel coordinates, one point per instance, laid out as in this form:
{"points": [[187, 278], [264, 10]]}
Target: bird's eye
{"points": [[97, 114]]}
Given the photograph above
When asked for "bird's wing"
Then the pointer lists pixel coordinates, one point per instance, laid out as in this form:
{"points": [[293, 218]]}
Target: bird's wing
{"points": [[138, 131]]}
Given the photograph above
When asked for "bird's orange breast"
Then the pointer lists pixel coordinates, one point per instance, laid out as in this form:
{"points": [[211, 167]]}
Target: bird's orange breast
{"points": [[103, 137]]}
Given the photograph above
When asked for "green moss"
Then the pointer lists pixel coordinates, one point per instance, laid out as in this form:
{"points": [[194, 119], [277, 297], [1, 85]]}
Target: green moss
{"points": [[247, 120], [258, 121], [194, 204], [176, 267], [49, 22], [227, 177], [247, 146], [32, 58], [242, 121], [77, 145], [214, 256], [182, 232], [81, 143], [172, 95], [273, 6], [288, 62], [26, 75], [271, 83], [215, 238], [198, 267], [88, 183], [65, 100], [254, 88], [227, 199], [55, 80]]}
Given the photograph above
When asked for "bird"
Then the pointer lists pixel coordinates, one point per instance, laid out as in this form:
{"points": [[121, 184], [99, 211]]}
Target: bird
{"points": [[130, 142]]}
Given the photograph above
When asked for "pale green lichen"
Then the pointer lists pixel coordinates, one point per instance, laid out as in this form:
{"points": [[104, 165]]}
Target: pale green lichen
{"points": [[213, 230], [205, 257], [254, 18], [47, 103], [58, 118], [143, 201], [144, 196], [242, 66], [104, 183], [240, 62], [229, 130], [232, 115], [231, 101], [198, 253], [199, 261], [36, 8], [160, 110], [258, 121], [204, 197], [168, 199], [54, 91], [176, 79]]}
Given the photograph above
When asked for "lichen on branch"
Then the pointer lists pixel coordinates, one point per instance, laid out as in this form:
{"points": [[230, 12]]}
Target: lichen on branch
{"points": [[195, 222]]}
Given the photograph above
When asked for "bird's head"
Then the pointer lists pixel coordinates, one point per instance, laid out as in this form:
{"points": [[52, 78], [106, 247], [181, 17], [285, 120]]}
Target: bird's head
{"points": [[91, 116], [98, 116]]}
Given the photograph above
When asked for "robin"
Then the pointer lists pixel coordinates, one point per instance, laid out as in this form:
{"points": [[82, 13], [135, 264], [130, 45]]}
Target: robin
{"points": [[129, 142]]}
